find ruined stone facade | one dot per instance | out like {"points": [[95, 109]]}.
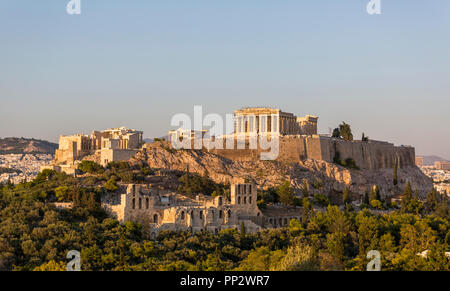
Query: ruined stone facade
{"points": [[114, 144], [161, 210], [263, 120]]}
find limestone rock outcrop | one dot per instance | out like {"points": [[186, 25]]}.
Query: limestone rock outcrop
{"points": [[322, 177]]}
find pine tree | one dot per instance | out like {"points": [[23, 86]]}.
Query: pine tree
{"points": [[286, 194], [407, 196], [307, 209], [366, 197], [442, 209], [432, 200], [364, 138], [408, 192]]}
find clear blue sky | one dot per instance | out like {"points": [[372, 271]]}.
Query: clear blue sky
{"points": [[136, 63]]}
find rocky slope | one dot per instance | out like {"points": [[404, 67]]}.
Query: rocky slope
{"points": [[322, 177], [14, 145]]}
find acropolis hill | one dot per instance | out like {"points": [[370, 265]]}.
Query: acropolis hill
{"points": [[303, 154], [299, 141]]}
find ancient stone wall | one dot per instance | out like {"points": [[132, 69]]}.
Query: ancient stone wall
{"points": [[172, 211], [111, 155], [371, 155]]}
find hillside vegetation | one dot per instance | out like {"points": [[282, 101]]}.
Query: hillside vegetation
{"points": [[36, 235]]}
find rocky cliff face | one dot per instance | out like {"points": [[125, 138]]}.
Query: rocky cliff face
{"points": [[322, 177]]}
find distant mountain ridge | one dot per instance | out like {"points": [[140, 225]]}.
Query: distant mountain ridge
{"points": [[430, 160], [16, 145]]}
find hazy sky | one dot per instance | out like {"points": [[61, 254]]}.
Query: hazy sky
{"points": [[136, 63]]}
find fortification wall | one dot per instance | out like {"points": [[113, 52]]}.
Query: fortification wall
{"points": [[371, 155], [113, 155]]}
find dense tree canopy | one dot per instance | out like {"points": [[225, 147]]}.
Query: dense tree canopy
{"points": [[35, 235]]}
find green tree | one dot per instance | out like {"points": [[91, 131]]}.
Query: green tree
{"points": [[346, 196], [62, 193], [286, 194], [407, 196], [346, 131], [335, 245], [432, 202], [111, 185], [368, 225], [364, 138], [90, 167], [395, 173], [261, 259], [376, 204], [215, 263], [242, 229], [336, 133], [442, 209], [300, 257], [320, 199], [366, 197], [51, 266], [307, 211]]}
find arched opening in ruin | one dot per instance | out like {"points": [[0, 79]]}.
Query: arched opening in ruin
{"points": [[182, 215], [220, 201], [239, 199], [155, 218], [140, 203], [229, 213], [133, 204], [220, 213], [146, 203], [245, 200], [250, 200]]}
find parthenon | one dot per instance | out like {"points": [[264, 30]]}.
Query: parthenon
{"points": [[264, 120]]}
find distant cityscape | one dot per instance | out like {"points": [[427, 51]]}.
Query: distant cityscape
{"points": [[22, 167], [439, 172]]}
